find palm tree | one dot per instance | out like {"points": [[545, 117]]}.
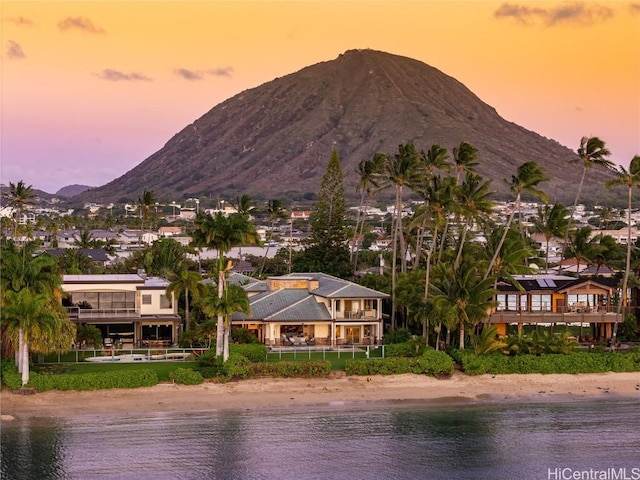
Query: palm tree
{"points": [[630, 178], [466, 292], [464, 159], [19, 197], [187, 282], [29, 284], [233, 300], [399, 171], [606, 251], [552, 221], [85, 240], [147, 200], [436, 158], [368, 173], [276, 211], [528, 176], [474, 205], [222, 233], [437, 194], [29, 319], [591, 152], [580, 247]]}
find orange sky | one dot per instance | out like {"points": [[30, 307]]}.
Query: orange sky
{"points": [[90, 89]]}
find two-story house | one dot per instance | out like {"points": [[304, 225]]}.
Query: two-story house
{"points": [[311, 309], [128, 308]]}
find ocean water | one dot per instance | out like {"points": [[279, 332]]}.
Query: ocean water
{"points": [[336, 441]]}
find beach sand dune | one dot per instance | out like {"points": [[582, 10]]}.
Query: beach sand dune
{"points": [[337, 389]]}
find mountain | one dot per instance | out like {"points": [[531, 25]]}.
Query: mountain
{"points": [[72, 190], [275, 140]]}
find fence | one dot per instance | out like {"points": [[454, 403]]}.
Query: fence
{"points": [[321, 352], [111, 354]]}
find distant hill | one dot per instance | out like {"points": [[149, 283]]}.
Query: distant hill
{"points": [[72, 190], [274, 141]]}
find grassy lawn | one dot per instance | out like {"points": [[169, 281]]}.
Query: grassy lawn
{"points": [[162, 369], [337, 359]]}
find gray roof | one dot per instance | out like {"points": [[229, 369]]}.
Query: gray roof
{"points": [[334, 287], [295, 304]]}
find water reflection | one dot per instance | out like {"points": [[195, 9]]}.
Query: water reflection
{"points": [[337, 442], [32, 449]]}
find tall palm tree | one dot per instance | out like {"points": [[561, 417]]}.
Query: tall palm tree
{"points": [[527, 178], [368, 171], [244, 206], [592, 152], [552, 221], [437, 193], [19, 197], [35, 275], [233, 300], [187, 282], [223, 233], [629, 178], [400, 170], [29, 318], [434, 159], [474, 204], [464, 159]]}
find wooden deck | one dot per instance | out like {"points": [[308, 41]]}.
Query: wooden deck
{"points": [[551, 317]]}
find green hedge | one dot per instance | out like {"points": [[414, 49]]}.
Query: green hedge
{"points": [[186, 376], [80, 381], [579, 362], [431, 362], [313, 368]]}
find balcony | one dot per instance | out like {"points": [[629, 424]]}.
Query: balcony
{"points": [[576, 313], [87, 314], [357, 315]]}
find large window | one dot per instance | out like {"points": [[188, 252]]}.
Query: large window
{"points": [[510, 302], [105, 300], [541, 302]]}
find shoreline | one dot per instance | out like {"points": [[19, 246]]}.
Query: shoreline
{"points": [[336, 390]]}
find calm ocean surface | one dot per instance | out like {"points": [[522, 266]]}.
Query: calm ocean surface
{"points": [[397, 441]]}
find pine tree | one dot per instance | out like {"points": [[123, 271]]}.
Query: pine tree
{"points": [[326, 250]]}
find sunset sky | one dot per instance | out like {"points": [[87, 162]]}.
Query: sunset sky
{"points": [[90, 89]]}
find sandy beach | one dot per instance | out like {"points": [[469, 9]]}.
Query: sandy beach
{"points": [[269, 393]]}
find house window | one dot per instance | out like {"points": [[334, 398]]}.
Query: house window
{"points": [[165, 302], [540, 303], [146, 299]]}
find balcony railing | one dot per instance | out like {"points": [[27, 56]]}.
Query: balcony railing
{"points": [[357, 315], [98, 313], [571, 314]]}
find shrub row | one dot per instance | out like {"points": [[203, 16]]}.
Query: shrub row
{"points": [[431, 362], [81, 381], [314, 368], [579, 362]]}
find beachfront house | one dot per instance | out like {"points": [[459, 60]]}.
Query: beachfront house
{"points": [[551, 299], [129, 309], [302, 309]]}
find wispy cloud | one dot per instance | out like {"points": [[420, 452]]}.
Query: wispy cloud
{"points": [[194, 75], [118, 76], [14, 50], [578, 13], [634, 7], [79, 23], [20, 21]]}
